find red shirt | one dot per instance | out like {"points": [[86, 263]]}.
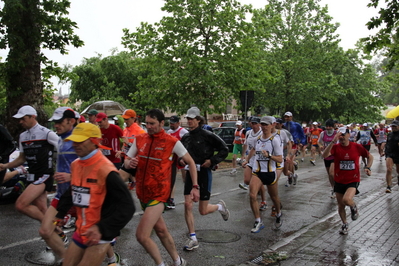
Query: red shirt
{"points": [[111, 137], [346, 162]]}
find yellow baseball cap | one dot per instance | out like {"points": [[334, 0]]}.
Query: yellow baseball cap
{"points": [[84, 131]]}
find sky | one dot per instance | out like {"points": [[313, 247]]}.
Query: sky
{"points": [[101, 22]]}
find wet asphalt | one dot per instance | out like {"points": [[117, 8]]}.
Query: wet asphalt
{"points": [[308, 236]]}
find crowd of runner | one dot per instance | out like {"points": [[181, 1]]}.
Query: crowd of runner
{"points": [[97, 162]]}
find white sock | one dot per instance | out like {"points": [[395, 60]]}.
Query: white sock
{"points": [[193, 236], [220, 207], [162, 264], [112, 259], [257, 220], [178, 261]]}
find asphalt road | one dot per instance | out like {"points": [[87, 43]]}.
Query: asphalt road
{"points": [[306, 204]]}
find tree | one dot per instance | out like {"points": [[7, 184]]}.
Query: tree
{"points": [[388, 35], [27, 26], [194, 55], [111, 78], [301, 50]]}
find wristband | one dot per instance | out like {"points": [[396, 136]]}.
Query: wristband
{"points": [[196, 186], [367, 168]]}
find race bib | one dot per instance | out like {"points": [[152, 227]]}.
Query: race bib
{"points": [[81, 196], [30, 177], [261, 156], [347, 165], [197, 165], [107, 152]]}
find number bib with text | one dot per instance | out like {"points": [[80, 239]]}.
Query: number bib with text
{"points": [[81, 196], [347, 165]]}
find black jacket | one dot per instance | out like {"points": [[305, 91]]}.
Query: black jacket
{"points": [[201, 145]]}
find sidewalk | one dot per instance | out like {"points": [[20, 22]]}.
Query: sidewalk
{"points": [[373, 239]]}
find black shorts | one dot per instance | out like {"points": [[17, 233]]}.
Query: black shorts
{"points": [[48, 182], [394, 159], [367, 147], [327, 163], [204, 182], [267, 178], [341, 188]]}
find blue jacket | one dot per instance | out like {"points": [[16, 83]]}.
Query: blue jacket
{"points": [[297, 132]]}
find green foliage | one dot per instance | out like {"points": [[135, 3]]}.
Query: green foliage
{"points": [[388, 35], [200, 54], [111, 78]]}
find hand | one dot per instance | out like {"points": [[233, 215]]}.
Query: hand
{"points": [[62, 177], [3, 166], [118, 154], [368, 172], [206, 164], [194, 194], [125, 140], [133, 162], [93, 235]]}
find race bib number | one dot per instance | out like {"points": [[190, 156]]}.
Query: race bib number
{"points": [[261, 156], [30, 177], [347, 165], [107, 152], [81, 196], [197, 165]]}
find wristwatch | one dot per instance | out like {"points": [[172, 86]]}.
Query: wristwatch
{"points": [[367, 168], [196, 186]]}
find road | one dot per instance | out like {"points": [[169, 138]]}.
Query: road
{"points": [[221, 242]]}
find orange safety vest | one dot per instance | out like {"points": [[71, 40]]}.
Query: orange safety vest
{"points": [[88, 185]]}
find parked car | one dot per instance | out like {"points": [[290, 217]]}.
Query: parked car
{"points": [[232, 124], [226, 134]]}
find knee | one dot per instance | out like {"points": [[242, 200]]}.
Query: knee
{"points": [[188, 205], [141, 238], [19, 206], [253, 196], [203, 212]]}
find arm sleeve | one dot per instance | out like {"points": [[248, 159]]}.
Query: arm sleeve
{"points": [[53, 138], [118, 207], [64, 204]]}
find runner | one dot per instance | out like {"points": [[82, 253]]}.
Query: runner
{"points": [[239, 138], [102, 201], [326, 137], [381, 132], [151, 155], [347, 173], [364, 137], [268, 151], [314, 137], [392, 154], [37, 145]]}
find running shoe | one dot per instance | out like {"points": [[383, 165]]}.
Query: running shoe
{"points": [[296, 164], [303, 159], [332, 194], [170, 204], [388, 190], [226, 213], [191, 244], [279, 221], [344, 229], [70, 222], [257, 227], [290, 178], [354, 213], [183, 262], [64, 239], [274, 211], [313, 162], [295, 178], [287, 183], [263, 206], [243, 186], [233, 172], [117, 260]]}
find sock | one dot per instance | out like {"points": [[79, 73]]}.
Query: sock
{"points": [[112, 259], [257, 220], [193, 236], [220, 207], [178, 261], [162, 264]]}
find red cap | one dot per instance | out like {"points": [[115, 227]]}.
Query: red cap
{"points": [[100, 117], [82, 119]]}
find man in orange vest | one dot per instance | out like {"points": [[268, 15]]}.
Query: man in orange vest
{"points": [[102, 201]]}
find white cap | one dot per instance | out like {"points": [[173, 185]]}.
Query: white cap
{"points": [[365, 125], [61, 113], [193, 112], [77, 115], [342, 130], [25, 110], [238, 123], [267, 120], [288, 114], [315, 123]]}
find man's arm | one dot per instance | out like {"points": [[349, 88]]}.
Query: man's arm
{"points": [[221, 148]]}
